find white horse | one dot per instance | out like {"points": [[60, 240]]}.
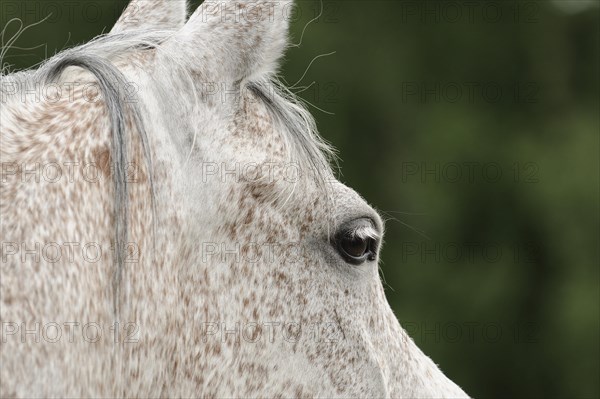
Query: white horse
{"points": [[170, 227]]}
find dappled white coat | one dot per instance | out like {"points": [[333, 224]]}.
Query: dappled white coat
{"points": [[233, 284]]}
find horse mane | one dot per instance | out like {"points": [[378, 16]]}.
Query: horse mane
{"points": [[299, 128], [97, 58]]}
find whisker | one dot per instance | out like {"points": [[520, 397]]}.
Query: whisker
{"points": [[8, 45], [419, 232], [306, 26], [310, 65]]}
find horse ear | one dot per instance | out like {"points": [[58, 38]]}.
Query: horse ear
{"points": [[152, 14], [232, 40]]}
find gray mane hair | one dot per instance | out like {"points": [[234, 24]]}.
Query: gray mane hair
{"points": [[98, 57], [308, 148], [95, 58]]}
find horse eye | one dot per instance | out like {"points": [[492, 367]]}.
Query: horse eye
{"points": [[354, 247]]}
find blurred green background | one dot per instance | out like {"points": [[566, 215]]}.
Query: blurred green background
{"points": [[474, 127]]}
